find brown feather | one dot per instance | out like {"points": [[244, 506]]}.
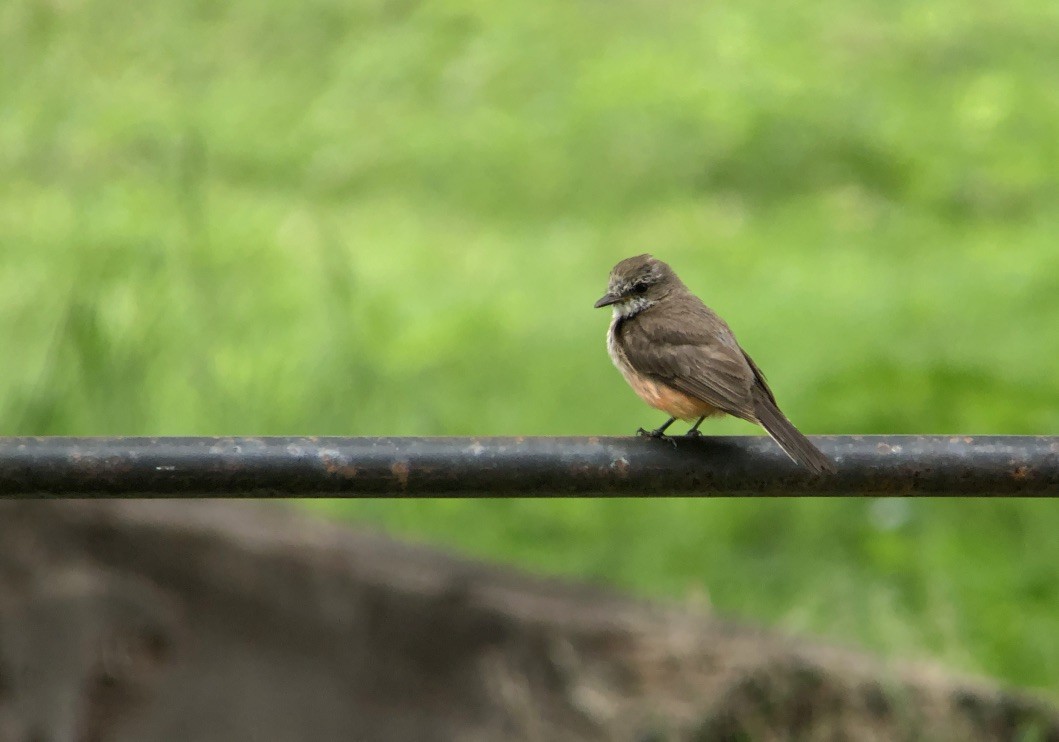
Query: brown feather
{"points": [[683, 344], [789, 438]]}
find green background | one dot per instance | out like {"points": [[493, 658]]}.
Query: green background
{"points": [[392, 217]]}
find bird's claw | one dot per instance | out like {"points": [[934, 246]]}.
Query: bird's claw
{"points": [[693, 434], [656, 434]]}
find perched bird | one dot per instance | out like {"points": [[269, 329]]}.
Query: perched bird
{"points": [[682, 359]]}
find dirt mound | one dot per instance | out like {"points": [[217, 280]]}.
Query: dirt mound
{"points": [[201, 621]]}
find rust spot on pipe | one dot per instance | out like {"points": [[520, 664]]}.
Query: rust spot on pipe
{"points": [[337, 465], [401, 470]]}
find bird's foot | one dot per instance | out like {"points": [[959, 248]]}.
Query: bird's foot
{"points": [[657, 434], [693, 434]]}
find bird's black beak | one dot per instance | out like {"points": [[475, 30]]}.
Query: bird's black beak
{"points": [[606, 300]]}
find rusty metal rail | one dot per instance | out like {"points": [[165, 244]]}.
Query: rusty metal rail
{"points": [[521, 467]]}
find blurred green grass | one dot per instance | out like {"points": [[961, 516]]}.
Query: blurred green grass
{"points": [[391, 218]]}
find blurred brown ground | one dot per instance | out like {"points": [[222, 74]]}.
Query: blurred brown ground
{"points": [[202, 621]]}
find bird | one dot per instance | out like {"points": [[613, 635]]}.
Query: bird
{"points": [[681, 358]]}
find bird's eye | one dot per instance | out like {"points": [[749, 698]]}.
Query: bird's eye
{"points": [[639, 288]]}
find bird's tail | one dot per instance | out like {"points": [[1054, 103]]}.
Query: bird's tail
{"points": [[793, 443]]}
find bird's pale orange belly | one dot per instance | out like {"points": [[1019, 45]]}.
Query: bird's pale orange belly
{"points": [[669, 400]]}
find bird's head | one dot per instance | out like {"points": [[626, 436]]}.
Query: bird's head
{"points": [[637, 283]]}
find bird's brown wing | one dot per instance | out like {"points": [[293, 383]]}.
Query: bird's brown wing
{"points": [[760, 378], [689, 348]]}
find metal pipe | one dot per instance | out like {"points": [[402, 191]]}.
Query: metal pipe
{"points": [[521, 467]]}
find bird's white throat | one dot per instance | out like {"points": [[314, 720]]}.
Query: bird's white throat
{"points": [[631, 306]]}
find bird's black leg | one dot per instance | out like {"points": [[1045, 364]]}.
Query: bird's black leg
{"points": [[657, 432], [694, 432]]}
